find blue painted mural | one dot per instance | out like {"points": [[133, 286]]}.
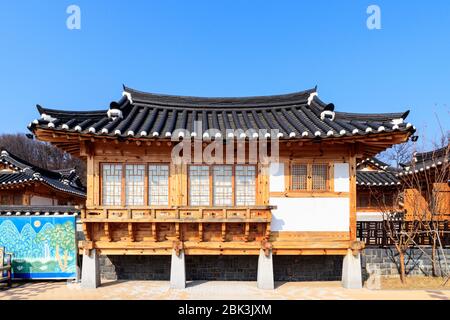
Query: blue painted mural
{"points": [[43, 247]]}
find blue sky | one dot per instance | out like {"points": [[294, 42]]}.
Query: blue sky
{"points": [[226, 48]]}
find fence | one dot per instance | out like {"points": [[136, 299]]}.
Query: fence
{"points": [[376, 234]]}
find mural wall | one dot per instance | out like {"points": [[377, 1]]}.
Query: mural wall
{"points": [[43, 247]]}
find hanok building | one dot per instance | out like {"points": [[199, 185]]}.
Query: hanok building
{"points": [[141, 202], [377, 189], [23, 184]]}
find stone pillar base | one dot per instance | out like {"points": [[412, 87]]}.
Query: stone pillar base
{"points": [[178, 271], [265, 271], [351, 271], [90, 272]]}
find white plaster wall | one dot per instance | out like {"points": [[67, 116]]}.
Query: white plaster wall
{"points": [[341, 177], [41, 201], [310, 214], [277, 177], [369, 216]]}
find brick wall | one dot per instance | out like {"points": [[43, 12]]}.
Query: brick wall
{"points": [[375, 261], [238, 268]]}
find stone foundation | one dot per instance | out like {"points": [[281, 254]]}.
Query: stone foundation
{"points": [[224, 268]]}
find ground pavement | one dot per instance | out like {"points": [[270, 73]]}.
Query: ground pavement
{"points": [[204, 290]]}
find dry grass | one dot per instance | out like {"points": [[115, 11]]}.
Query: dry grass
{"points": [[415, 283]]}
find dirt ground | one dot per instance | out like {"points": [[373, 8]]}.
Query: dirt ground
{"points": [[429, 283], [205, 290]]}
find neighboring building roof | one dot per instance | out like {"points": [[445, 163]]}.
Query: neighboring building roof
{"points": [[427, 160], [66, 181], [376, 163], [39, 210], [376, 179], [300, 115], [382, 176]]}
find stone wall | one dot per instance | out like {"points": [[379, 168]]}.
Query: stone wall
{"points": [[385, 262]]}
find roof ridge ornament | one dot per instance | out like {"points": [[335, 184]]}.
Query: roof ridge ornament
{"points": [[328, 112], [114, 112], [311, 97], [128, 95], [48, 118]]}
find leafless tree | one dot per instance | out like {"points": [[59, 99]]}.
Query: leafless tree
{"points": [[41, 154], [398, 154], [421, 207]]}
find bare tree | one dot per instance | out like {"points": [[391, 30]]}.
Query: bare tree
{"points": [[41, 154], [398, 154], [422, 205]]}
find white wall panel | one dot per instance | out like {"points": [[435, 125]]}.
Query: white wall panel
{"points": [[277, 177], [40, 201], [369, 216], [311, 214], [341, 177]]}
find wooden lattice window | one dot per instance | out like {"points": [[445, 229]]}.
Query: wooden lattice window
{"points": [[222, 185], [299, 177], [112, 184], [309, 177], [158, 185], [245, 185], [134, 184], [362, 200], [199, 186], [319, 177]]}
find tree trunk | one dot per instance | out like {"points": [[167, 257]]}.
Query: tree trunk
{"points": [[433, 257], [62, 264], [401, 257]]}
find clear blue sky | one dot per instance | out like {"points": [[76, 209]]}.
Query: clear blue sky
{"points": [[226, 48]]}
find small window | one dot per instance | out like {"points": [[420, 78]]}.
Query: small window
{"points": [[223, 185], [309, 177], [5, 200], [199, 185], [245, 185], [299, 177], [134, 184], [112, 184], [362, 200], [158, 185], [319, 177], [17, 200]]}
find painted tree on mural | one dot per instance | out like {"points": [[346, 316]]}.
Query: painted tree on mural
{"points": [[62, 239]]}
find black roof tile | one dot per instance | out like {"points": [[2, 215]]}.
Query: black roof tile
{"points": [[296, 115], [65, 180]]}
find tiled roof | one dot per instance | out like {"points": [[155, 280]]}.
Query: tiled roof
{"points": [[427, 160], [65, 180], [300, 115], [39, 210], [376, 178]]}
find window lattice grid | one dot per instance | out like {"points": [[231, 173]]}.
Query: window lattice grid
{"points": [[363, 200], [299, 177], [199, 185], [319, 176], [134, 185], [223, 185], [112, 184], [245, 185], [158, 185]]}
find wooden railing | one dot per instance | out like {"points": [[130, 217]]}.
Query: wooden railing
{"points": [[376, 233], [178, 214]]}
